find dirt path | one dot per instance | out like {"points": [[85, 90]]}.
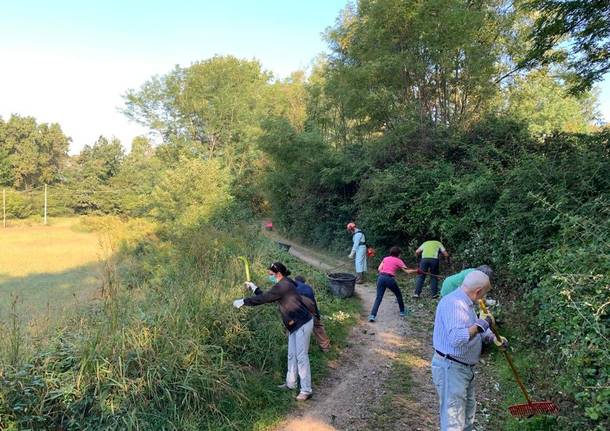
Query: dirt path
{"points": [[358, 391]]}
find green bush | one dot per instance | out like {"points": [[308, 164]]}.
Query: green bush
{"points": [[170, 351], [536, 210], [18, 205]]}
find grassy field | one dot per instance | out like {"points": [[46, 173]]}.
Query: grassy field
{"points": [[47, 267]]}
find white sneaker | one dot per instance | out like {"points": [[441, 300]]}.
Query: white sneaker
{"points": [[303, 396]]}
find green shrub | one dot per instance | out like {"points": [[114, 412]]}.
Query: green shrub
{"points": [[18, 205], [536, 210], [169, 351]]}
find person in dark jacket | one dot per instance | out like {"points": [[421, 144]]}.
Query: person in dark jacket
{"points": [[297, 319], [319, 332]]}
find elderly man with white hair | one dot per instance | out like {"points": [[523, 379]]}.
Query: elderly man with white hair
{"points": [[458, 338]]}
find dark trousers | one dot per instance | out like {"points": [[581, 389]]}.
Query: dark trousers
{"points": [[386, 282], [427, 265]]}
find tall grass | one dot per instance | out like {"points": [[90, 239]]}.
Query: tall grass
{"points": [[169, 352]]}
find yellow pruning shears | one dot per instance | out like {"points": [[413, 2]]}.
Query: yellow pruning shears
{"points": [[247, 265]]}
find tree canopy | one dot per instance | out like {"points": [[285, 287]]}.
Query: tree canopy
{"points": [[577, 31], [31, 154]]}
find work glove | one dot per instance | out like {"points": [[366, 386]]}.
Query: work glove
{"points": [[502, 343], [251, 286], [351, 255], [486, 316], [483, 324], [238, 303]]}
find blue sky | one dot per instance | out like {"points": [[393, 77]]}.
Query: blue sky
{"points": [[70, 61]]}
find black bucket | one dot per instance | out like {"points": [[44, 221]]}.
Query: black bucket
{"points": [[342, 284], [283, 246]]}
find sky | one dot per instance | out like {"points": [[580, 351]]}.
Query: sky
{"points": [[70, 62]]}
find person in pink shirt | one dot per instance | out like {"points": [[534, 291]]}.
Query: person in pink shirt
{"points": [[386, 280]]}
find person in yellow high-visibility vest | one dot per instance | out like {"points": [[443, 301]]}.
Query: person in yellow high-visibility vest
{"points": [[429, 263]]}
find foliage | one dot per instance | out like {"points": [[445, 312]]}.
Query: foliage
{"points": [[31, 154], [214, 103], [192, 191], [582, 27], [171, 353], [213, 109], [305, 178], [425, 63], [532, 209], [540, 100], [18, 205], [140, 171]]}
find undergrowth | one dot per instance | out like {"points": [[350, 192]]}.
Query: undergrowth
{"points": [[168, 352]]}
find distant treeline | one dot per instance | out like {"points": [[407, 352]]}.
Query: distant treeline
{"points": [[449, 118]]}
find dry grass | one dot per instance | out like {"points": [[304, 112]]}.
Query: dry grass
{"points": [[47, 267]]}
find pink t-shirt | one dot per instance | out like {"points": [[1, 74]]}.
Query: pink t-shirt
{"points": [[391, 264]]}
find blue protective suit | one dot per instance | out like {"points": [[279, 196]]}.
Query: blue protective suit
{"points": [[359, 250]]}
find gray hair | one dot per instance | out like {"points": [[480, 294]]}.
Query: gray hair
{"points": [[486, 269], [476, 280]]}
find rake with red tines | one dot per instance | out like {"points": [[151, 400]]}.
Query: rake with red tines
{"points": [[531, 408]]}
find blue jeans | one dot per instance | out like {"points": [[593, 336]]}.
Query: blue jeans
{"points": [[386, 282], [427, 265], [455, 388]]}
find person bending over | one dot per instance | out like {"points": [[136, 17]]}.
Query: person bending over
{"points": [[386, 280], [296, 318]]}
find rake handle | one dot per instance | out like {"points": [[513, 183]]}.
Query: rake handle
{"points": [[433, 275], [494, 329]]}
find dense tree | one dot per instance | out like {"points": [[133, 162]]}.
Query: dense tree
{"points": [[140, 171], [287, 98], [31, 154], [216, 103], [576, 29], [103, 159], [88, 175], [396, 62], [192, 191], [213, 110], [541, 101]]}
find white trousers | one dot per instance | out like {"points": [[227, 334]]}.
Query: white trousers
{"points": [[298, 358], [360, 261]]}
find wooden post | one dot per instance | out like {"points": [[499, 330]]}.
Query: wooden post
{"points": [[45, 204], [4, 207]]}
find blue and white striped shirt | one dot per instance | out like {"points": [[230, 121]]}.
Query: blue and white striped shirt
{"points": [[454, 315]]}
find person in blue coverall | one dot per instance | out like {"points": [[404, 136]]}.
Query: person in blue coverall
{"points": [[358, 252]]}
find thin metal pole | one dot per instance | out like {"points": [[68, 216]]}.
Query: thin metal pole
{"points": [[45, 204]]}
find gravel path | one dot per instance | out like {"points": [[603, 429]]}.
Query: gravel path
{"points": [[350, 397]]}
